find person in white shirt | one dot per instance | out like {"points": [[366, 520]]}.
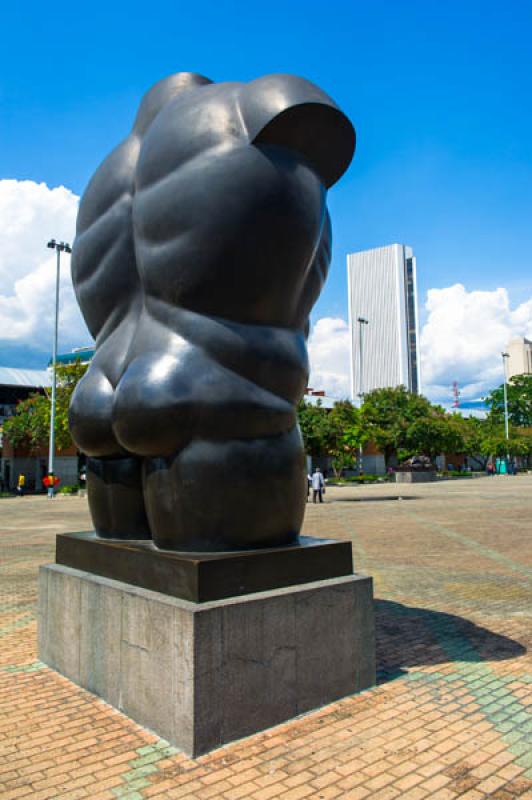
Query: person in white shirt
{"points": [[318, 485]]}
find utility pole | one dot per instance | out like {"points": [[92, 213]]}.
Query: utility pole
{"points": [[361, 322], [59, 247], [505, 357]]}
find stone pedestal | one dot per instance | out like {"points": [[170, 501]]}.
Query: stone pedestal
{"points": [[415, 476], [203, 674]]}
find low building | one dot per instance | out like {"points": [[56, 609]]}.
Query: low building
{"points": [[83, 354], [17, 385]]}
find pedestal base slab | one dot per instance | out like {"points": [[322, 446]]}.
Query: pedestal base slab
{"points": [[202, 577], [421, 476]]}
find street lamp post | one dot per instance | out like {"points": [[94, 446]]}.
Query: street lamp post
{"points": [[505, 357], [59, 247], [361, 322]]}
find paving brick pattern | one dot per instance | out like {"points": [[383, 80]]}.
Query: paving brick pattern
{"points": [[452, 564]]}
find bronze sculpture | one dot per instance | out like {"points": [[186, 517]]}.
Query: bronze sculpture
{"points": [[203, 241]]}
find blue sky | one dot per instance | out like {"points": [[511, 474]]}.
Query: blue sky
{"points": [[440, 94]]}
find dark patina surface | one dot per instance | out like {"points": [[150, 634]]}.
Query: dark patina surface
{"points": [[201, 577], [203, 241]]}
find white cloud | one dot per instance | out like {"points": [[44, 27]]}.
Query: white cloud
{"points": [[31, 215], [328, 348], [462, 339]]}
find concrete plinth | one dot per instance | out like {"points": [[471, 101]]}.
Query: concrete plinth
{"points": [[419, 476], [203, 674]]}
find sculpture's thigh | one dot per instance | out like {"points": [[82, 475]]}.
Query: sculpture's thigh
{"points": [[228, 495], [116, 501]]}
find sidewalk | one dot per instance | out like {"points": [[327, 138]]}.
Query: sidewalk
{"points": [[452, 564]]}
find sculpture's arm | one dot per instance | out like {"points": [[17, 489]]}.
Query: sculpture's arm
{"points": [[316, 275], [103, 260]]}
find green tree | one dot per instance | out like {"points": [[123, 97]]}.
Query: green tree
{"points": [[495, 443], [30, 425], [430, 435], [402, 423], [345, 435], [315, 428], [483, 439], [525, 436], [519, 401], [334, 433], [471, 432]]}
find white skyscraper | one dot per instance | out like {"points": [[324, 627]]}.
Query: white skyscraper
{"points": [[382, 291]]}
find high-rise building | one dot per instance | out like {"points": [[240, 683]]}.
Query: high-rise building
{"points": [[520, 357], [383, 319]]}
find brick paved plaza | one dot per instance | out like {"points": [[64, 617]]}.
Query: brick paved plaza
{"points": [[452, 565]]}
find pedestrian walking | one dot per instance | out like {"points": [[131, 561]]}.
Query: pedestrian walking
{"points": [[82, 482], [318, 485], [21, 483], [50, 482]]}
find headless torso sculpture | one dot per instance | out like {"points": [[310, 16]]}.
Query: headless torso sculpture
{"points": [[203, 241]]}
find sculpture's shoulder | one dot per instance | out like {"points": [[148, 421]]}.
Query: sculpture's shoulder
{"points": [[191, 125], [116, 176], [104, 269]]}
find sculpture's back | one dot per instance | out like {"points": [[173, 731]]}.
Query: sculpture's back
{"points": [[203, 242]]}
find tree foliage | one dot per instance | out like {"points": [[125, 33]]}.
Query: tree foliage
{"points": [[519, 390], [336, 433], [29, 427], [402, 424], [495, 443], [314, 424], [346, 435]]}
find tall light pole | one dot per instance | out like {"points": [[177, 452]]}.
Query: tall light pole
{"points": [[361, 322], [505, 357], [59, 247]]}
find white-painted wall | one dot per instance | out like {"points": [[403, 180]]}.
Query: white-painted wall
{"points": [[65, 467]]}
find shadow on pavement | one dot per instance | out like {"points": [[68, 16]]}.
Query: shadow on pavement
{"points": [[373, 499], [413, 637]]}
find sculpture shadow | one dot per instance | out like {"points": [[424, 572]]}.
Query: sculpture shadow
{"points": [[413, 637], [395, 497]]}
